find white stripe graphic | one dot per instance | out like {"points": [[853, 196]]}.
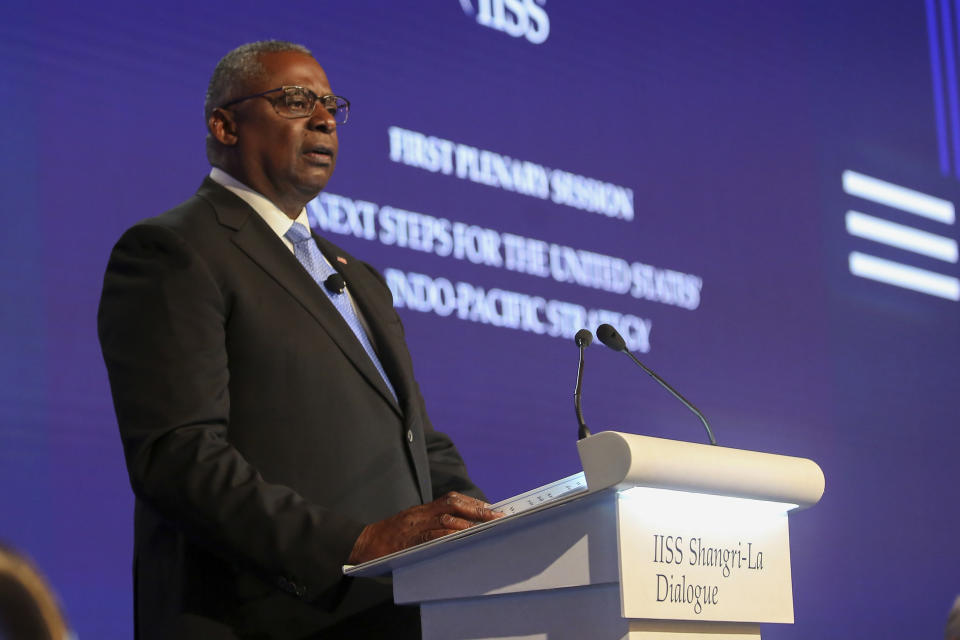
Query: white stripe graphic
{"points": [[902, 237], [902, 275], [891, 195]]}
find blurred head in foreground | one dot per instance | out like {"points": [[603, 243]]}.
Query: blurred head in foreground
{"points": [[28, 608]]}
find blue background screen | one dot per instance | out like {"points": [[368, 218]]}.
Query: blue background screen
{"points": [[760, 195]]}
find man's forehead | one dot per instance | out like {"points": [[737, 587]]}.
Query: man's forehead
{"points": [[291, 67]]}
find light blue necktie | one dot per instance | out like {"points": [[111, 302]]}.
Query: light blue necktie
{"points": [[306, 251]]}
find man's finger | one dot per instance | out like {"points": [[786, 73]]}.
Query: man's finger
{"points": [[449, 521], [469, 508], [432, 534]]}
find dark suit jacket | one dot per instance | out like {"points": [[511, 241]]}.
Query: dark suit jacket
{"points": [[258, 435]]}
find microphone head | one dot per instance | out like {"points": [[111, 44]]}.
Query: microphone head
{"points": [[610, 337], [583, 338], [335, 283]]}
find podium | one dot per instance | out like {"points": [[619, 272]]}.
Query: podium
{"points": [[666, 539]]}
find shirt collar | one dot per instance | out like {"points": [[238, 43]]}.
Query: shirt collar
{"points": [[273, 216]]}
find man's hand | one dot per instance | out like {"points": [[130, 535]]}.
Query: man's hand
{"points": [[447, 514]]}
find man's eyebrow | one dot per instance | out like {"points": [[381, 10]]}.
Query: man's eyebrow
{"points": [[324, 92]]}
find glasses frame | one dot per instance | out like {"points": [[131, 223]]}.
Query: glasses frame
{"points": [[275, 102]]}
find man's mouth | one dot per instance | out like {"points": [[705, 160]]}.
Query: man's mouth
{"points": [[319, 155]]}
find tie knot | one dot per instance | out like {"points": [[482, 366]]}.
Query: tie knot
{"points": [[297, 233]]}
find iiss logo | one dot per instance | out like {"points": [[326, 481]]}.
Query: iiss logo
{"points": [[517, 18]]}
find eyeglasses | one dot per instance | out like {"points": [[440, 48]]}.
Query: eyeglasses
{"points": [[300, 102]]}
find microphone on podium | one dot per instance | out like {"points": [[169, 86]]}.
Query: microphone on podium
{"points": [[610, 337], [583, 338]]}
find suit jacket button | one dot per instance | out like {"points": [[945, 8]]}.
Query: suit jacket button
{"points": [[409, 435]]}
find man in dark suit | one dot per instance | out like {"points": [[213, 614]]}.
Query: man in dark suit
{"points": [[272, 427]]}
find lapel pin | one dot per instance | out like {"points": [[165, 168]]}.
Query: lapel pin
{"points": [[341, 260]]}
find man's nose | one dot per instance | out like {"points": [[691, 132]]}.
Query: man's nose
{"points": [[323, 120]]}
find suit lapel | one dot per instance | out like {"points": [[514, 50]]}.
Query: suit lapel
{"points": [[255, 238], [386, 333], [388, 344]]}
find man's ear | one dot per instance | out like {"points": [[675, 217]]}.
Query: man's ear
{"points": [[223, 127]]}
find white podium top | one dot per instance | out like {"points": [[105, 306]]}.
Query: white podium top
{"points": [[613, 459]]}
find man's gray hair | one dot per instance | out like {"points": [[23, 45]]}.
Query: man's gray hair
{"points": [[237, 70]]}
